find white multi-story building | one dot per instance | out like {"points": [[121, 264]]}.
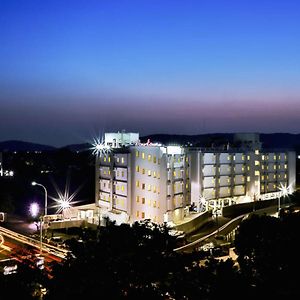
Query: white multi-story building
{"points": [[137, 181], [236, 175], [141, 181]]}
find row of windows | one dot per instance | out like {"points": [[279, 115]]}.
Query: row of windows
{"points": [[279, 176], [149, 157], [275, 167], [142, 200], [107, 172], [117, 159], [149, 187], [266, 157], [149, 172]]}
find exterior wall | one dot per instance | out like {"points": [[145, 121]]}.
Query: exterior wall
{"points": [[144, 182]]}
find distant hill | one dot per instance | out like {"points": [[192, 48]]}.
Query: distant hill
{"points": [[271, 140], [79, 147], [23, 146]]}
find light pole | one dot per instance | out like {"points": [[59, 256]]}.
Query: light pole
{"points": [[41, 217], [35, 183]]}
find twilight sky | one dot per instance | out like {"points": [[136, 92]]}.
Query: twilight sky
{"points": [[70, 69]]}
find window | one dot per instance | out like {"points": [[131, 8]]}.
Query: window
{"points": [[256, 152], [256, 173], [158, 161], [109, 159], [122, 160], [143, 171], [108, 172], [143, 186], [143, 200], [174, 173], [154, 174], [149, 172], [137, 199], [143, 155], [154, 159], [137, 183], [158, 175], [154, 189], [149, 202], [118, 159], [122, 188], [248, 178], [248, 157], [263, 157], [117, 187], [186, 159], [137, 153], [285, 166], [137, 214], [285, 176], [149, 157], [122, 173], [143, 215], [149, 187], [228, 157], [243, 157], [137, 168], [257, 163]]}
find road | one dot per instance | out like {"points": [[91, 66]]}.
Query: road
{"points": [[226, 226], [16, 241]]}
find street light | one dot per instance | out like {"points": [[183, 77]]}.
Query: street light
{"points": [[36, 183], [41, 217]]}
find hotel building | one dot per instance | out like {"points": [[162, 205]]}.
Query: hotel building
{"points": [[137, 181], [141, 181]]}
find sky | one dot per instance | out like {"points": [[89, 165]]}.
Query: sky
{"points": [[72, 69]]}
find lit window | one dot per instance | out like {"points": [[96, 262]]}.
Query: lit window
{"points": [[109, 159], [257, 163], [248, 157], [285, 176], [274, 157], [143, 155], [104, 159], [154, 159], [256, 173], [179, 159], [248, 178], [122, 188], [137, 154], [228, 157], [285, 166], [143, 171], [149, 172], [149, 202], [248, 168], [143, 215], [108, 172], [158, 161], [154, 189], [137, 183], [243, 157], [137, 168], [256, 152], [262, 177], [149, 187], [263, 157], [154, 174], [122, 160], [187, 159], [149, 157], [137, 199], [274, 176], [118, 159], [104, 172], [174, 173], [118, 173], [137, 213]]}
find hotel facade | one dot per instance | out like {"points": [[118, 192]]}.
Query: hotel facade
{"points": [[136, 181]]}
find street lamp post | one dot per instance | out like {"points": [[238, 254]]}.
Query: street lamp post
{"points": [[41, 217]]}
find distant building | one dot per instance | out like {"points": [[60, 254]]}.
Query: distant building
{"points": [[136, 181], [220, 178]]}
